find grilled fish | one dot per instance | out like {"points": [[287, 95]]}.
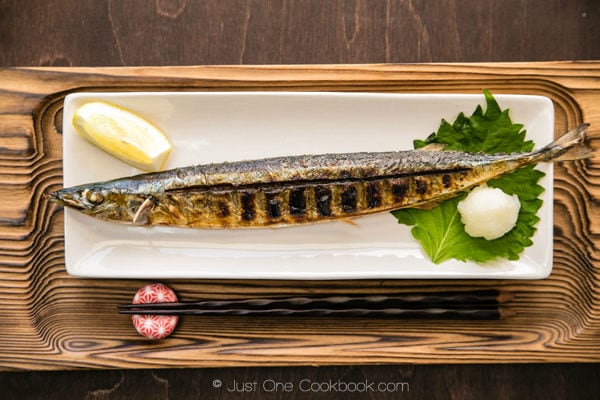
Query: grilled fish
{"points": [[302, 189]]}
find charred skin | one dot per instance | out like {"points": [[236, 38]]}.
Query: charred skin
{"points": [[295, 190], [266, 205]]}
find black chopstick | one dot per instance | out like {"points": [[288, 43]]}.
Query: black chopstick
{"points": [[478, 304], [455, 298], [483, 313]]}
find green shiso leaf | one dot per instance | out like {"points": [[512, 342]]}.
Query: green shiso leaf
{"points": [[439, 230]]}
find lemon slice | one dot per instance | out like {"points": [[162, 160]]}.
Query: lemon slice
{"points": [[123, 134]]}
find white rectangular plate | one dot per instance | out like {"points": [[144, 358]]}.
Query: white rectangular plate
{"points": [[212, 127]]}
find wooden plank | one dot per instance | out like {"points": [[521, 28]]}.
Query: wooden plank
{"points": [[58, 321]]}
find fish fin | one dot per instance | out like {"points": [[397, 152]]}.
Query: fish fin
{"points": [[568, 147], [433, 147], [142, 214], [430, 205], [349, 221], [576, 153]]}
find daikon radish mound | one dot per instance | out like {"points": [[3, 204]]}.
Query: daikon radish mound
{"points": [[489, 212]]}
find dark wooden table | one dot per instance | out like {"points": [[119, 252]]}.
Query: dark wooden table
{"points": [[180, 32]]}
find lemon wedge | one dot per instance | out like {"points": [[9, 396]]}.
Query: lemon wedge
{"points": [[123, 134]]}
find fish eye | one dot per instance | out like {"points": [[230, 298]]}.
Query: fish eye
{"points": [[93, 196]]}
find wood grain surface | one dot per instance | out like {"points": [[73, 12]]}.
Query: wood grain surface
{"points": [[216, 32], [92, 33], [66, 322]]}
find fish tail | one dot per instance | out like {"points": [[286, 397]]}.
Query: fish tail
{"points": [[568, 147]]}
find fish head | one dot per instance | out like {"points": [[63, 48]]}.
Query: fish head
{"points": [[97, 201]]}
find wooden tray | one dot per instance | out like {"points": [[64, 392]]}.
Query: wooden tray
{"points": [[55, 321]]}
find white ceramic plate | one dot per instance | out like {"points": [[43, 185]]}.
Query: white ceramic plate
{"points": [[213, 127]]}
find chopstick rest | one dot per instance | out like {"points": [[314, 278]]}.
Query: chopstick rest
{"points": [[156, 300], [154, 326]]}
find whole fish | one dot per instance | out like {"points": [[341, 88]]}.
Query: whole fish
{"points": [[302, 189]]}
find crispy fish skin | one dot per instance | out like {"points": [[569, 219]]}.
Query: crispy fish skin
{"points": [[293, 190]]}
